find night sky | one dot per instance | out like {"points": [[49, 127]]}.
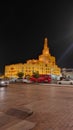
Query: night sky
{"points": [[23, 27]]}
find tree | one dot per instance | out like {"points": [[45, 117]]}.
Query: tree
{"points": [[20, 74], [36, 74]]}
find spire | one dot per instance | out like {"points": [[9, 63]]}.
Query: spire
{"points": [[46, 49], [45, 43]]}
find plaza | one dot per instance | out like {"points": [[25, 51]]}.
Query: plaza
{"points": [[36, 107]]}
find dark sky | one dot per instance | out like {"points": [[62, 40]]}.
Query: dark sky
{"points": [[23, 27]]}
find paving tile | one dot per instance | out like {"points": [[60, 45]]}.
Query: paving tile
{"points": [[52, 107], [6, 120], [22, 114], [23, 125]]}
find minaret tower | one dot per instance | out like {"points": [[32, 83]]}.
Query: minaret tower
{"points": [[45, 56], [45, 42], [46, 49]]}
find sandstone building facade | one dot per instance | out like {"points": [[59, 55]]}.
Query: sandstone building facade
{"points": [[45, 64]]}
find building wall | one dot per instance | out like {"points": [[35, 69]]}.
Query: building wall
{"points": [[45, 64], [28, 69]]}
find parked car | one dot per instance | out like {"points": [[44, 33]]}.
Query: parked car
{"points": [[33, 79], [41, 79], [12, 80], [26, 81], [65, 81], [4, 82], [23, 80], [19, 80]]}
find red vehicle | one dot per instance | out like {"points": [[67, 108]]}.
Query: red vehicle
{"points": [[41, 79]]}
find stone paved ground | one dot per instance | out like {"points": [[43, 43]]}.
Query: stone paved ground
{"points": [[36, 107]]}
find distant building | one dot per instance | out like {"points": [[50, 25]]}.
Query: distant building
{"points": [[45, 64], [67, 72]]}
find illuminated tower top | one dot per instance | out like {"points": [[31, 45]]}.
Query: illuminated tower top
{"points": [[45, 43], [46, 49]]}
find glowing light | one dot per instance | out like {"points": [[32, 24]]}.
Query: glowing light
{"points": [[65, 53]]}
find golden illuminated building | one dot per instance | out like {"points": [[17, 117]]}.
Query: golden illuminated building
{"points": [[45, 64]]}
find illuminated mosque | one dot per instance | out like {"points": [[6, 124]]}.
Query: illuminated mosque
{"points": [[45, 64]]}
